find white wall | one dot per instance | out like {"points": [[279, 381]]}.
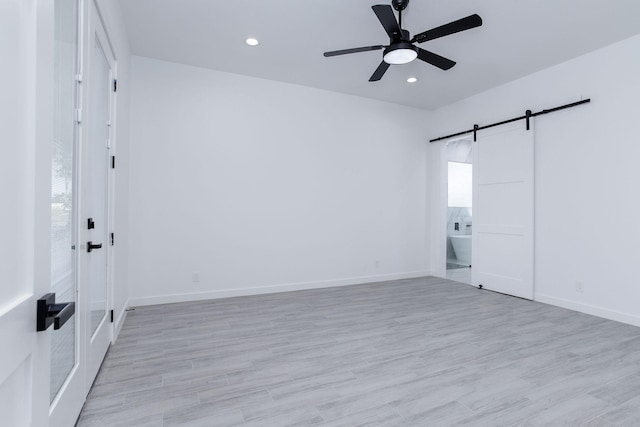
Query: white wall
{"points": [[262, 186], [112, 15], [586, 176]]}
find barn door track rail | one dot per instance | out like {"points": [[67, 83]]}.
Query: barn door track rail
{"points": [[527, 116]]}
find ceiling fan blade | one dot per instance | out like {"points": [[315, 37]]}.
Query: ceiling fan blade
{"points": [[354, 50], [387, 18], [377, 75], [463, 24], [435, 60]]}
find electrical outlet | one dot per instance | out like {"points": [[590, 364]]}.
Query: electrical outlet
{"points": [[195, 276], [579, 286]]}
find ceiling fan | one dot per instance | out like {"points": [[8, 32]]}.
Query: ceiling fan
{"points": [[401, 49]]}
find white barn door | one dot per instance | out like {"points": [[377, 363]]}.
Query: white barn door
{"points": [[503, 209]]}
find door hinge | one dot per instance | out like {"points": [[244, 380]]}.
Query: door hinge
{"points": [[79, 115], [113, 239], [113, 162], [111, 310], [115, 85]]}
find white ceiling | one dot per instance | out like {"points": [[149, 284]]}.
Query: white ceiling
{"points": [[516, 39]]}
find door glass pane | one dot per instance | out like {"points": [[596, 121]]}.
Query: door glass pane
{"points": [[98, 161], [63, 265]]}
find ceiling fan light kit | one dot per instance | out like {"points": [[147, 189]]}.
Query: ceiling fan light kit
{"points": [[401, 48], [400, 53]]}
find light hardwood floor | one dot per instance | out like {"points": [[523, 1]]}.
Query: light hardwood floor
{"points": [[417, 352]]}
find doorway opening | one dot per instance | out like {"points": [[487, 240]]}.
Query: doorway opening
{"points": [[459, 225]]}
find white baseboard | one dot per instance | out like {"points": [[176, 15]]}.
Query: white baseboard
{"points": [[228, 293], [119, 322], [589, 309]]}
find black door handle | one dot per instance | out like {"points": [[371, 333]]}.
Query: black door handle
{"points": [[91, 246], [49, 312]]}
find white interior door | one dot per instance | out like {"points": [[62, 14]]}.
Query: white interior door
{"points": [[66, 380], [95, 277], [23, 394], [503, 210], [40, 378]]}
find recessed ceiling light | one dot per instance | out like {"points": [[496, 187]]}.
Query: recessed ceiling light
{"points": [[252, 42], [412, 80]]}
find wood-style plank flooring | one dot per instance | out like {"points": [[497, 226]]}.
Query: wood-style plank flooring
{"points": [[416, 352]]}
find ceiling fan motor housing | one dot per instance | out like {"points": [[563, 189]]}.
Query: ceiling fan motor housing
{"points": [[400, 4]]}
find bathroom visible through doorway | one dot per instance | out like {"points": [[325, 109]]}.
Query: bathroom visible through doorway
{"points": [[459, 210]]}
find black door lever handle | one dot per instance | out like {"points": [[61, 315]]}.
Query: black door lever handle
{"points": [[51, 313], [91, 246]]}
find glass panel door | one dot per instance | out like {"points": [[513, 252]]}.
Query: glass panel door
{"points": [[66, 392], [63, 188]]}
